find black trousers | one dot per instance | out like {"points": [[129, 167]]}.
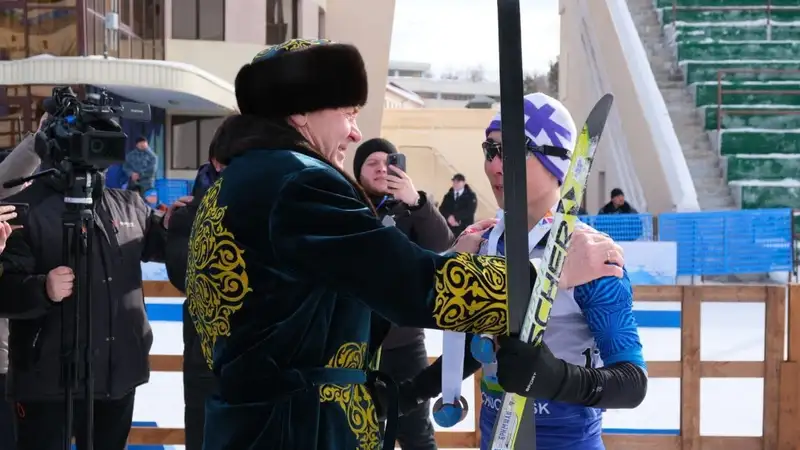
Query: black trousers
{"points": [[415, 430], [197, 386], [7, 434], [40, 425]]}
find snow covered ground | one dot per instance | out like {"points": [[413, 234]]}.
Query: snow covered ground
{"points": [[730, 407]]}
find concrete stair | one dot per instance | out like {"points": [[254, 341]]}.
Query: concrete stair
{"points": [[705, 164]]}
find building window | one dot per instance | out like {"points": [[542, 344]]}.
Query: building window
{"points": [[282, 23], [20, 111], [198, 19], [32, 31], [12, 122], [191, 137], [458, 97], [406, 73], [140, 35], [429, 95]]}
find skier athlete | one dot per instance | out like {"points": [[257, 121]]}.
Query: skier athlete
{"points": [[591, 358], [287, 262]]}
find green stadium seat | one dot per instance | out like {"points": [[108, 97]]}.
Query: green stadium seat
{"points": [[727, 51], [759, 142], [717, 3], [690, 32], [769, 71], [729, 15], [767, 168], [748, 115], [760, 105], [749, 93], [767, 194]]}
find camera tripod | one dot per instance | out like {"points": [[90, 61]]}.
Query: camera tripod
{"points": [[83, 184], [77, 240]]}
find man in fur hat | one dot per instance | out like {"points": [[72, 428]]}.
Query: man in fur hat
{"points": [[289, 268], [288, 263]]}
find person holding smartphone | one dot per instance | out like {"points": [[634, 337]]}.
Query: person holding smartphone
{"points": [[22, 161], [380, 170]]}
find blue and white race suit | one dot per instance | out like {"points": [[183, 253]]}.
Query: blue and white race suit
{"points": [[590, 325]]}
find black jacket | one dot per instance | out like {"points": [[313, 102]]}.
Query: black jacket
{"points": [[177, 252], [462, 209], [126, 232], [610, 208], [425, 227], [621, 224]]}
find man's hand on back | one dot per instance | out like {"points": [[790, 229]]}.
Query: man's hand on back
{"points": [[179, 203]]}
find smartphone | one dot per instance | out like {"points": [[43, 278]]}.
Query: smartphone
{"points": [[398, 160], [22, 213]]}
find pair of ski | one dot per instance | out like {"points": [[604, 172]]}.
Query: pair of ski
{"points": [[514, 425]]}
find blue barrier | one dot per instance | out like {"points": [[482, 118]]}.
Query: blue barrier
{"points": [[623, 227], [170, 190], [730, 242]]}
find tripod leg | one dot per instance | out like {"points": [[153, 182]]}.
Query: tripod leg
{"points": [[88, 239], [67, 371]]}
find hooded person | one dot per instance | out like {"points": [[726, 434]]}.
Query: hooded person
{"points": [[591, 358], [288, 262]]}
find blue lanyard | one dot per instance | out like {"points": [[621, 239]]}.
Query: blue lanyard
{"points": [[385, 197]]}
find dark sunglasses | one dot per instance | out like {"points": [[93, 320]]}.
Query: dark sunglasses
{"points": [[492, 150]]}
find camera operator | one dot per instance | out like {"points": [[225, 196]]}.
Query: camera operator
{"points": [[403, 353], [198, 380], [34, 283]]}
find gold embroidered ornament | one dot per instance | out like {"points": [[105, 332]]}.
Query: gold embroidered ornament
{"points": [[471, 295], [216, 276], [354, 399]]}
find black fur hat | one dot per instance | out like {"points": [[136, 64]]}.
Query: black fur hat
{"points": [[301, 76]]}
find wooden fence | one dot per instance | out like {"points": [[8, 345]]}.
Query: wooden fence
{"points": [[781, 412]]}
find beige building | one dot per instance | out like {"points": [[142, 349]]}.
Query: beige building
{"points": [[180, 56], [184, 63], [437, 92], [439, 143]]}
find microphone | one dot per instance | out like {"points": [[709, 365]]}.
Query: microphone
{"points": [[14, 182]]}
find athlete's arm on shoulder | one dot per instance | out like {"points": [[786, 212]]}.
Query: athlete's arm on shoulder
{"points": [[607, 305]]}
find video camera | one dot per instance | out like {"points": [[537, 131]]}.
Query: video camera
{"points": [[88, 134]]}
